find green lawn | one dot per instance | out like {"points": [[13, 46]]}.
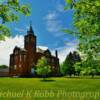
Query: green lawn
{"points": [[52, 89]]}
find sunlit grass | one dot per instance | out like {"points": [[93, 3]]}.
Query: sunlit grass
{"points": [[60, 88]]}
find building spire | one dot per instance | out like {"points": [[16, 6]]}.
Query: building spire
{"points": [[30, 28]]}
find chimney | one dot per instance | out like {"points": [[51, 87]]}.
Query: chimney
{"points": [[56, 53]]}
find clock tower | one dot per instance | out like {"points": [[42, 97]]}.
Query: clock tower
{"points": [[30, 41], [30, 47]]}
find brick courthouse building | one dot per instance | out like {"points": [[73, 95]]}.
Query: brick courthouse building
{"points": [[23, 61]]}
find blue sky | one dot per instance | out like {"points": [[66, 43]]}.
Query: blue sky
{"points": [[48, 19]]}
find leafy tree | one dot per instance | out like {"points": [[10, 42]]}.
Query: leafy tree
{"points": [[78, 68], [86, 23], [42, 67], [9, 11], [92, 72], [89, 71]]}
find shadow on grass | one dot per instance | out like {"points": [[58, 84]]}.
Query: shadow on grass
{"points": [[47, 80]]}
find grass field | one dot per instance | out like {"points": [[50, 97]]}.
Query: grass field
{"points": [[52, 89]]}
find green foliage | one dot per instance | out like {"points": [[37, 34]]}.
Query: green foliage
{"points": [[72, 64], [25, 10], [63, 68], [89, 71], [3, 66], [42, 67], [69, 1], [87, 26], [78, 68], [69, 63], [9, 11], [4, 31], [90, 67]]}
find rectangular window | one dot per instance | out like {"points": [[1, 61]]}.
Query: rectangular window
{"points": [[20, 58], [16, 58], [15, 67], [24, 57]]}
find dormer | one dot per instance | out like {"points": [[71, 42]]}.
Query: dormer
{"points": [[47, 52]]}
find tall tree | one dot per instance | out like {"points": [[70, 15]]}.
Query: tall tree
{"points": [[68, 65], [9, 10], [87, 26]]}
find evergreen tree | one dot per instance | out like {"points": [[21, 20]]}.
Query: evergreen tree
{"points": [[68, 65]]}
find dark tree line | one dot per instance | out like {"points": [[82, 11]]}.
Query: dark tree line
{"points": [[74, 65], [3, 66]]}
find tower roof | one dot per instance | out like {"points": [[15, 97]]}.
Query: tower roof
{"points": [[30, 31]]}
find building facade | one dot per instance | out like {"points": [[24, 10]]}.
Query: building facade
{"points": [[23, 61]]}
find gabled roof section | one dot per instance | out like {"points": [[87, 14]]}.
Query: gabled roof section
{"points": [[40, 50], [47, 52], [18, 50]]}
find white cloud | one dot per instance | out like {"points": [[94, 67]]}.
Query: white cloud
{"points": [[42, 47], [7, 46], [64, 51], [52, 22], [51, 16], [53, 26]]}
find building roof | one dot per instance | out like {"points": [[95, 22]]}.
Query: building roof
{"points": [[22, 49], [30, 31], [39, 50]]}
